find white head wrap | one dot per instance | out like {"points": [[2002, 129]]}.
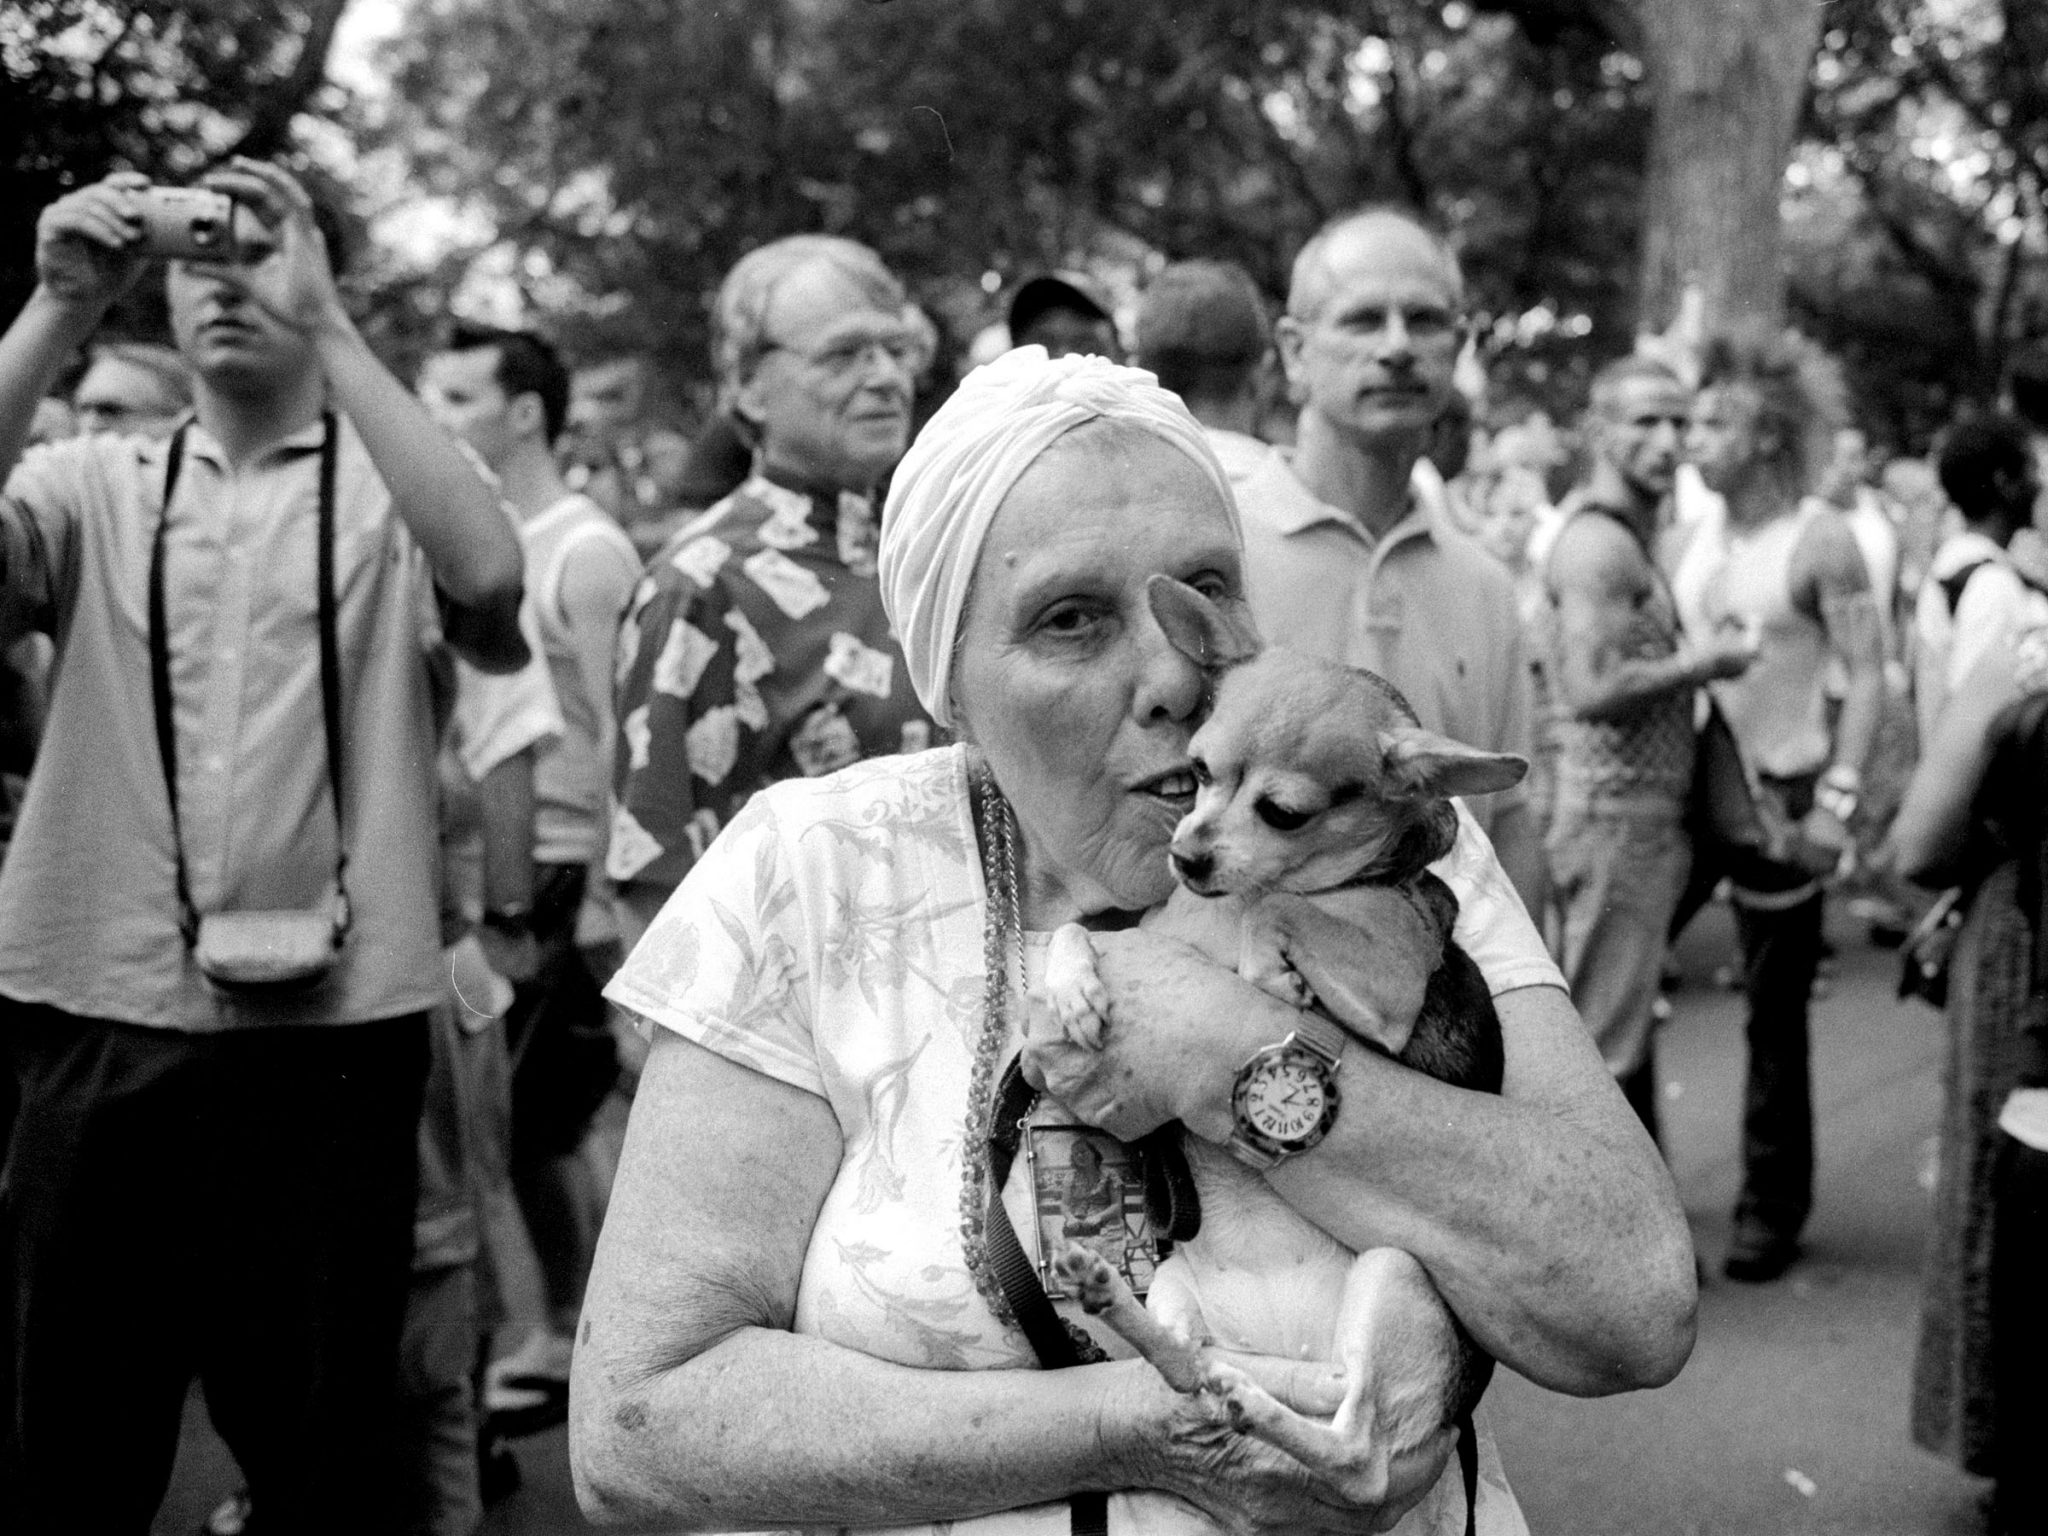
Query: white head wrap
{"points": [[946, 491]]}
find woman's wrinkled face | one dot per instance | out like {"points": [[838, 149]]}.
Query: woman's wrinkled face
{"points": [[1064, 679]]}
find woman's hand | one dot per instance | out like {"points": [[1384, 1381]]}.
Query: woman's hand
{"points": [[1189, 1447], [1178, 1028]]}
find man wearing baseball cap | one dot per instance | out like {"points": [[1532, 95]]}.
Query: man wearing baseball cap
{"points": [[1065, 313]]}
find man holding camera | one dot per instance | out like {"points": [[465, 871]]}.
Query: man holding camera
{"points": [[217, 919]]}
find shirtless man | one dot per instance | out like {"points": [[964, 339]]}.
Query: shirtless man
{"points": [[1783, 574], [1622, 681]]}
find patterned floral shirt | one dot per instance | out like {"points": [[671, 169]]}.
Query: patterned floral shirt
{"points": [[832, 940], [754, 649]]}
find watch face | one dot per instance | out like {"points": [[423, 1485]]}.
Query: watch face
{"points": [[1287, 1098]]}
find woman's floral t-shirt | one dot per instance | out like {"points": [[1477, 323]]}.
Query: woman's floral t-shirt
{"points": [[831, 938]]}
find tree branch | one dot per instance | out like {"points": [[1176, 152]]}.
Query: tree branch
{"points": [[1953, 285], [270, 119], [1544, 21], [1932, 68], [1400, 140]]}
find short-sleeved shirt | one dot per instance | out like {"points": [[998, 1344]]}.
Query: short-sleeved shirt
{"points": [[832, 940], [88, 904], [755, 649], [1972, 601], [1422, 605]]}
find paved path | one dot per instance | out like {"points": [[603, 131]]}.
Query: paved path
{"points": [[1791, 1416]]}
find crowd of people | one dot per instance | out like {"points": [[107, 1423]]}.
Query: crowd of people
{"points": [[405, 776]]}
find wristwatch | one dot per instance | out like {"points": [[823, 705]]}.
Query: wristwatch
{"points": [[514, 919], [1286, 1097]]}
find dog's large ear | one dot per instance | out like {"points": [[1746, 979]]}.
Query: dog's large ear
{"points": [[1419, 764], [1205, 632]]}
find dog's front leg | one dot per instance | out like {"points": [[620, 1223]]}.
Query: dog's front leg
{"points": [[1174, 1347], [1368, 965], [1078, 998]]}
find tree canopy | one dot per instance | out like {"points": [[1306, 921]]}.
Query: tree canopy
{"points": [[604, 161], [93, 86]]}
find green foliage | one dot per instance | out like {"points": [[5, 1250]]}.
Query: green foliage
{"points": [[627, 151], [611, 158], [1917, 222], [92, 86]]}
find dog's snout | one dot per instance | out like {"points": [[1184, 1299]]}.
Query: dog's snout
{"points": [[1193, 868]]}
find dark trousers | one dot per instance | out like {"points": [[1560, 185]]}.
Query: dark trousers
{"points": [[565, 1062], [232, 1207], [1780, 957], [2019, 1327]]}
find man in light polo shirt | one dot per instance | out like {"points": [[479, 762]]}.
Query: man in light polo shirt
{"points": [[1349, 550], [202, 1181]]}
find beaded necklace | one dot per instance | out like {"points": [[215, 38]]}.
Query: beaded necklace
{"points": [[1002, 945]]}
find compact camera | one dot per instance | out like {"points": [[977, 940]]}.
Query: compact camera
{"points": [[189, 224]]}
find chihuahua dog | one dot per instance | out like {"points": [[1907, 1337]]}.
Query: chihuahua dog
{"points": [[1303, 865]]}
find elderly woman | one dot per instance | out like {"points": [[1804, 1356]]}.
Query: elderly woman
{"points": [[794, 1319], [756, 647]]}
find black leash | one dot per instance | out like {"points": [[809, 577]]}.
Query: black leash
{"points": [[1176, 1214]]}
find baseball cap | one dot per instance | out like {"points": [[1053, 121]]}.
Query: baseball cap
{"points": [[1202, 312], [1056, 290]]}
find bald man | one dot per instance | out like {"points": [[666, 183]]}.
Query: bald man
{"points": [[1350, 553]]}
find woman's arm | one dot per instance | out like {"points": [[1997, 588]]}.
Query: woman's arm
{"points": [[692, 1403], [1545, 1216], [1932, 827]]}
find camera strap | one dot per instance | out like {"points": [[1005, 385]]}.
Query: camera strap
{"points": [[330, 675]]}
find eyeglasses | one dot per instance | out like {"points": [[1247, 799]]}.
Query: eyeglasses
{"points": [[855, 354]]}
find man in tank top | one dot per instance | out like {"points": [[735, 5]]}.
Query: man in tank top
{"points": [[1782, 573], [1622, 683], [506, 394]]}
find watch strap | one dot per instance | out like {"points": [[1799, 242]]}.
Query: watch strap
{"points": [[513, 918], [1318, 1034]]}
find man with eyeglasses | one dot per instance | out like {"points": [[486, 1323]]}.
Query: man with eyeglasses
{"points": [[130, 388], [1350, 553], [755, 648]]}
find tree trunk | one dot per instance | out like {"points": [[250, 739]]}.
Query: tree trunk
{"points": [[1726, 79]]}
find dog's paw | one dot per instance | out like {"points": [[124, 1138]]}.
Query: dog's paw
{"points": [[1274, 974], [1072, 988], [1087, 1276]]}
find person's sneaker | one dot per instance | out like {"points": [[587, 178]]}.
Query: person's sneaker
{"points": [[230, 1516], [497, 1472], [542, 1361], [527, 1391], [1758, 1255]]}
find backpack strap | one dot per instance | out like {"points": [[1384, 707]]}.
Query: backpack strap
{"points": [[1952, 585]]}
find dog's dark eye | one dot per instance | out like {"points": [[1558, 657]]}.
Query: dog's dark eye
{"points": [[1279, 818]]}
